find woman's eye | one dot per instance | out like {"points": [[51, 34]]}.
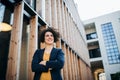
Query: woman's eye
{"points": [[51, 35], [46, 35]]}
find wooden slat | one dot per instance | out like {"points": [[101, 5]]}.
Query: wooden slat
{"points": [[42, 45], [54, 14], [63, 20], [15, 44], [32, 43], [72, 65], [48, 17], [59, 17], [40, 8], [65, 69]]}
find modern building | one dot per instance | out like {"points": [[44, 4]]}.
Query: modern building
{"points": [[20, 24], [103, 40]]}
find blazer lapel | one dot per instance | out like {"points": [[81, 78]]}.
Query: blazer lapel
{"points": [[53, 53]]}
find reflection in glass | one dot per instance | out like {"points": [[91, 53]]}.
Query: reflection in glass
{"points": [[110, 43]]}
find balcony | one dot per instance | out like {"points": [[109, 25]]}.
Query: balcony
{"points": [[91, 36], [94, 53]]}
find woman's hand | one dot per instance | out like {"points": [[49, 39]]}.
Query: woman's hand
{"points": [[43, 63]]}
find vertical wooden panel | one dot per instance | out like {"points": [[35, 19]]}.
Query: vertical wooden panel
{"points": [[58, 43], [68, 28], [79, 66], [48, 17], [15, 44], [65, 69], [63, 19], [72, 31], [63, 48], [68, 68], [40, 8], [61, 12], [54, 14], [78, 69], [65, 22], [72, 65], [83, 70], [32, 44], [59, 17], [42, 45]]}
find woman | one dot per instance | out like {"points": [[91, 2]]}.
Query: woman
{"points": [[48, 62]]}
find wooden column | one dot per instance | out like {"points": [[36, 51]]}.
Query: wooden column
{"points": [[72, 66], [63, 20], [79, 66], [61, 11], [67, 26], [75, 43], [58, 43], [42, 45], [15, 44], [68, 68], [65, 69], [54, 14], [48, 17], [71, 33], [33, 43], [59, 17], [40, 8], [83, 75]]}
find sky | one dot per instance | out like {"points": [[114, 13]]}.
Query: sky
{"points": [[89, 9]]}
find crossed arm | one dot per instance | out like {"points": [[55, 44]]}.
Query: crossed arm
{"points": [[43, 66]]}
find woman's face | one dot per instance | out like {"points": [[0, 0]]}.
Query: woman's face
{"points": [[49, 38]]}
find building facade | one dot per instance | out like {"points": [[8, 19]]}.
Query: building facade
{"points": [[26, 19], [103, 39]]}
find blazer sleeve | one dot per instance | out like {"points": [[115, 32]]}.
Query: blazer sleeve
{"points": [[36, 67], [58, 63]]}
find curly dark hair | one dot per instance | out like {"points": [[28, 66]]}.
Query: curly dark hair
{"points": [[55, 33]]}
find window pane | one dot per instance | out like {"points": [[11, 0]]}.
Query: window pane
{"points": [[110, 43]]}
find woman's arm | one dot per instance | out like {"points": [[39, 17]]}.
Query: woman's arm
{"points": [[36, 67], [58, 63]]}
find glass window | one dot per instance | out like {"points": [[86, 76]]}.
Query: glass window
{"points": [[91, 36], [110, 43], [2, 9], [94, 53]]}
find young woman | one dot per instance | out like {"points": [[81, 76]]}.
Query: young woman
{"points": [[48, 62]]}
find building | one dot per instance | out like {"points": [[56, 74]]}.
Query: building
{"points": [[103, 39], [25, 19]]}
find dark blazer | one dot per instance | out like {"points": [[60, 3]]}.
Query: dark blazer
{"points": [[56, 62]]}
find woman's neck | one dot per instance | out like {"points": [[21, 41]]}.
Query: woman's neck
{"points": [[48, 48]]}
